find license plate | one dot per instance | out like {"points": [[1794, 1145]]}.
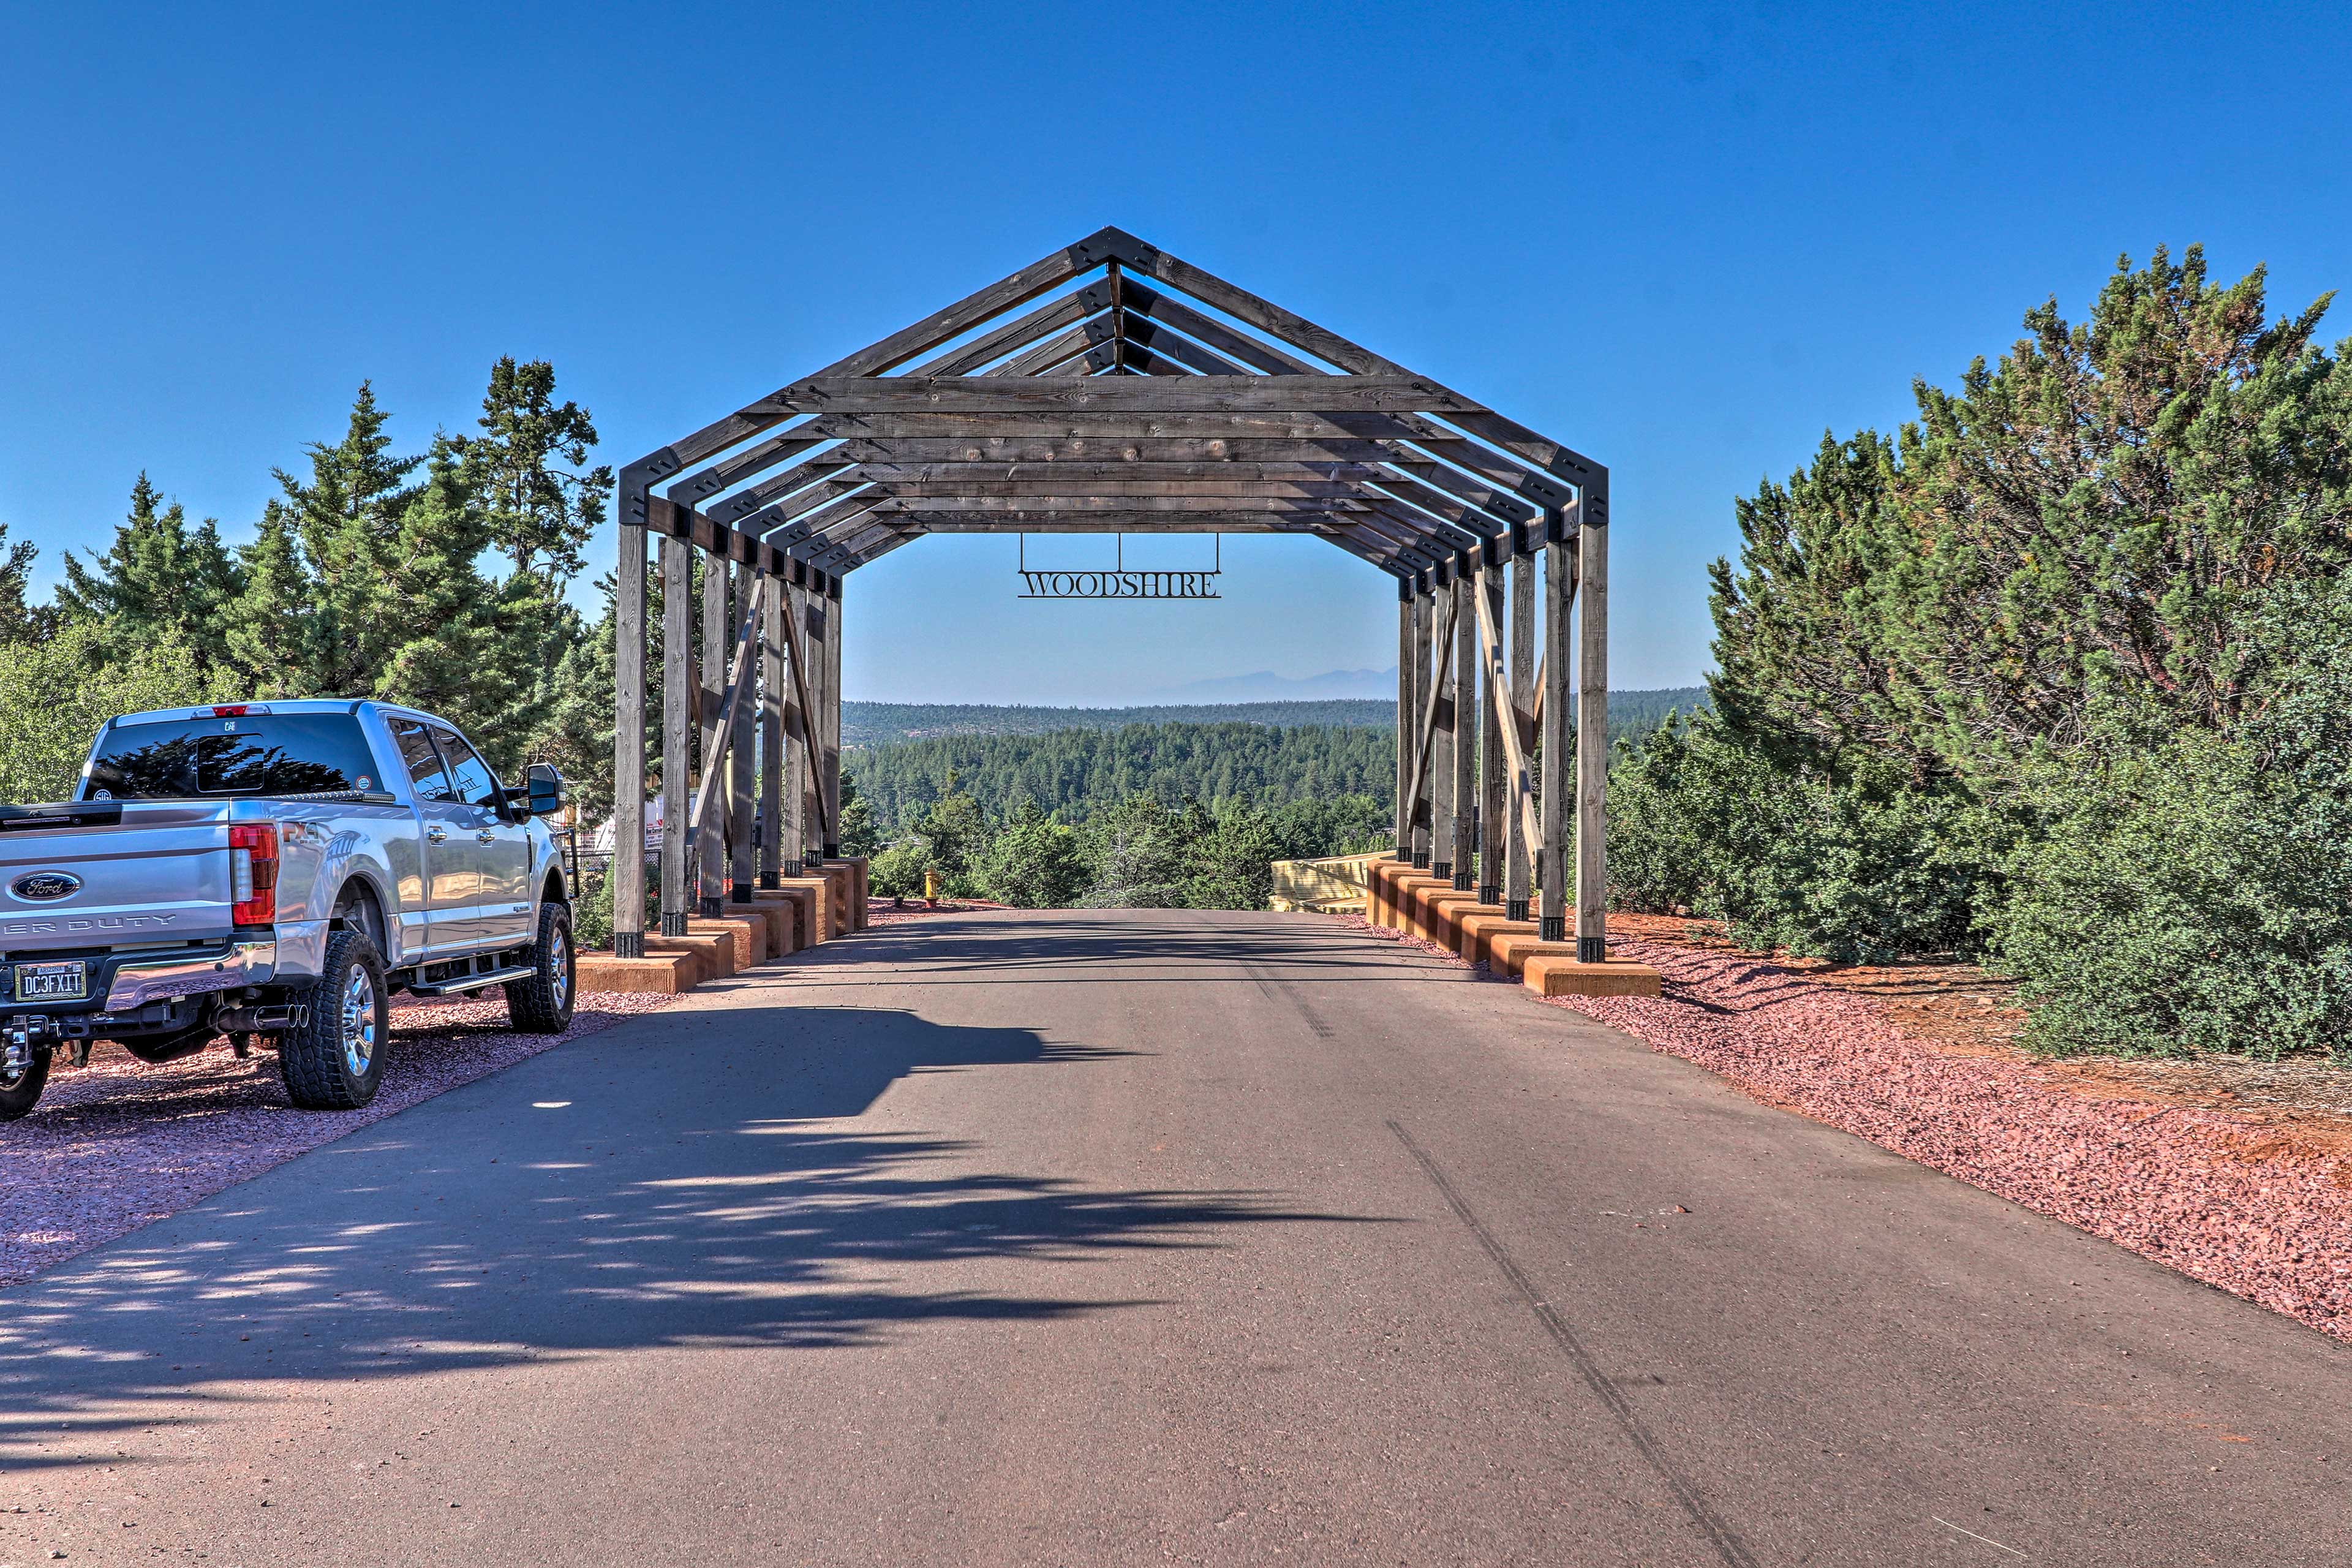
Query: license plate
{"points": [[63, 982]]}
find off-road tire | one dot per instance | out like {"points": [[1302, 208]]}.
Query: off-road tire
{"points": [[543, 1004], [18, 1095], [320, 1073]]}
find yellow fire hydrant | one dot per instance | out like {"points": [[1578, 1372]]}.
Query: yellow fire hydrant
{"points": [[931, 885]]}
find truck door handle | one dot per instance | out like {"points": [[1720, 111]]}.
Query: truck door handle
{"points": [[435, 834], [484, 836]]}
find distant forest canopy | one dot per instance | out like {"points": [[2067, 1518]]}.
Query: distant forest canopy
{"points": [[1076, 772], [1076, 769], [874, 724]]}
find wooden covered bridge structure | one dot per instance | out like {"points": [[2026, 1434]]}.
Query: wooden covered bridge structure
{"points": [[1112, 388]]}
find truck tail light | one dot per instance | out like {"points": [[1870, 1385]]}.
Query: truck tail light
{"points": [[253, 873]]}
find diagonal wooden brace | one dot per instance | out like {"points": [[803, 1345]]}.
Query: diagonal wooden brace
{"points": [[1443, 645], [738, 680], [1513, 751]]}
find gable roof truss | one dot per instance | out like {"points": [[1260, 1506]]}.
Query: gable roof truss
{"points": [[1115, 405]]}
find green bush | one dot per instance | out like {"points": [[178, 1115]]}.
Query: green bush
{"points": [[1032, 862], [2182, 890], [2184, 900], [1855, 869], [1138, 851], [897, 872]]}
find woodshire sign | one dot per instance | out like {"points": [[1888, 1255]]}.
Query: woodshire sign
{"points": [[1119, 585], [1118, 582]]}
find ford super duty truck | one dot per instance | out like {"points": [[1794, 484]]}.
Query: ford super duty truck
{"points": [[274, 872]]}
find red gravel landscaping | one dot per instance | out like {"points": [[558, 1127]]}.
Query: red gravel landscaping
{"points": [[119, 1143], [2222, 1198]]}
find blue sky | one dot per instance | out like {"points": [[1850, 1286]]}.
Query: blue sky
{"points": [[1685, 241]]}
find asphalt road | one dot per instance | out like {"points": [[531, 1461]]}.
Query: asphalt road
{"points": [[1116, 1239]]}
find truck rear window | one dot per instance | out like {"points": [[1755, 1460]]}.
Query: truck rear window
{"points": [[257, 754]]}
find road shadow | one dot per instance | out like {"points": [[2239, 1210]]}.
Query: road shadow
{"points": [[690, 1178], [1126, 947]]}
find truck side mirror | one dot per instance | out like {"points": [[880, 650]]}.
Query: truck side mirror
{"points": [[548, 794]]}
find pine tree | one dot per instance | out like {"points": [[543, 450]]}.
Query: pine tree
{"points": [[571, 721], [20, 621], [270, 631], [539, 514], [161, 581], [443, 630]]}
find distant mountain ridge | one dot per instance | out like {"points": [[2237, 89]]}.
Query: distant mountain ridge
{"points": [[1264, 686], [881, 724]]}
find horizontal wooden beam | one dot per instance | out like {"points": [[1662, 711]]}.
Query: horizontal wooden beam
{"points": [[1102, 424], [1113, 472], [1105, 452], [1114, 395], [1116, 521], [665, 517], [952, 500], [1078, 485]]}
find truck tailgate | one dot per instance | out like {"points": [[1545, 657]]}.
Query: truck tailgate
{"points": [[161, 873]]}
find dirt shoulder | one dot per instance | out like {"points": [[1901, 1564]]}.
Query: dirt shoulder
{"points": [[2298, 1107]]}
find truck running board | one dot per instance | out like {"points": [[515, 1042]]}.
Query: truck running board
{"points": [[458, 984]]}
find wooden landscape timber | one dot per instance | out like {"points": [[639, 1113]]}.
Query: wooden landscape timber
{"points": [[1075, 396]]}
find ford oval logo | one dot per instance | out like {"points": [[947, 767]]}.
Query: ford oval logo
{"points": [[46, 885]]}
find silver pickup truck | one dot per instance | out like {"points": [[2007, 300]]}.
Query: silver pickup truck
{"points": [[274, 872]]}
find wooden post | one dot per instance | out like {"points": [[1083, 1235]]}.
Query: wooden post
{"points": [[1407, 718], [791, 841], [628, 871], [1593, 725], [772, 731], [1441, 744], [1492, 714], [1424, 614], [677, 737], [740, 757], [709, 841], [1558, 773], [813, 634], [832, 719], [1519, 877], [1465, 727]]}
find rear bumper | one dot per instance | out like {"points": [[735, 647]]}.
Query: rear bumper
{"points": [[239, 964], [122, 984]]}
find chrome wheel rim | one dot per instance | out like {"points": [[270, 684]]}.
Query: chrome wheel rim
{"points": [[359, 1022], [560, 983]]}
